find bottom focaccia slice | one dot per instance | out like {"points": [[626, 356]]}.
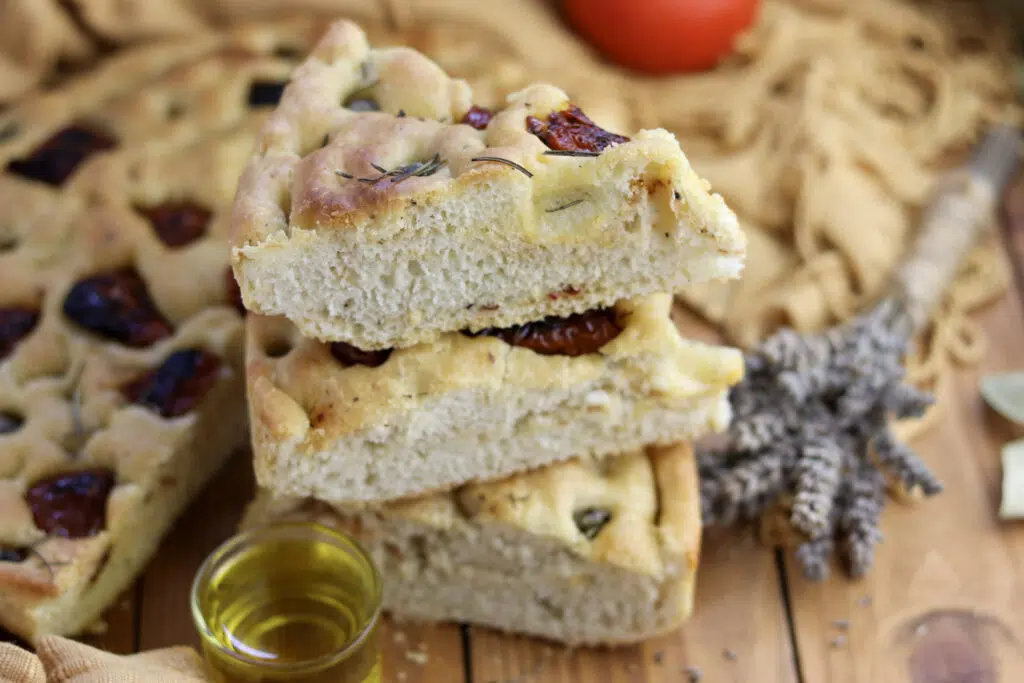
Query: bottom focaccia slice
{"points": [[582, 552], [342, 425]]}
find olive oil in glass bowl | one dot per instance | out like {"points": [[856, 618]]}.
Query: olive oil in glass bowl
{"points": [[289, 602]]}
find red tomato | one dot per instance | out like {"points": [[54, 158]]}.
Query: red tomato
{"points": [[662, 36]]}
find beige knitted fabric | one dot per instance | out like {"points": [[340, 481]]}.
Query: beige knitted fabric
{"points": [[60, 660]]}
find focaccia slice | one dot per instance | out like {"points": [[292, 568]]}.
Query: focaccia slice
{"points": [[579, 552], [341, 424], [382, 208]]}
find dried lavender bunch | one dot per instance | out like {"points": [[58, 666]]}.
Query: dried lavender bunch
{"points": [[811, 422]]}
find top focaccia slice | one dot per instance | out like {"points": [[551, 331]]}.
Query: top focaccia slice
{"points": [[382, 208]]}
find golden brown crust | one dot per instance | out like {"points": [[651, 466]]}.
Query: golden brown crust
{"points": [[328, 182]]}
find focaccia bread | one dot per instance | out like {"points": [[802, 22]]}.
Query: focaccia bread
{"points": [[580, 552], [344, 425], [121, 332], [119, 398], [160, 96], [382, 208]]}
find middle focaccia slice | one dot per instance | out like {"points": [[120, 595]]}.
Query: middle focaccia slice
{"points": [[346, 425]]}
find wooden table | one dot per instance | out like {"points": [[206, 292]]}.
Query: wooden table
{"points": [[943, 604]]}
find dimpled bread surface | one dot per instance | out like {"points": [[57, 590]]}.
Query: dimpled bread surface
{"points": [[323, 236]]}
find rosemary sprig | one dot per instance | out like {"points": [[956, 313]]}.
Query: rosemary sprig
{"points": [[78, 431], [397, 175], [568, 205], [507, 162], [571, 153]]}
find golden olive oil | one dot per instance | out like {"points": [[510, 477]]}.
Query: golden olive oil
{"points": [[290, 602]]}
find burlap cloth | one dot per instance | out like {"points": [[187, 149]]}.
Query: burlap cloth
{"points": [[60, 660]]}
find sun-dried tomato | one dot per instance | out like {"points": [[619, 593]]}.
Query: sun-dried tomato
{"points": [[71, 504], [177, 223], [117, 306], [575, 335], [178, 385], [15, 324], [346, 354], [571, 130], [478, 117], [56, 159]]}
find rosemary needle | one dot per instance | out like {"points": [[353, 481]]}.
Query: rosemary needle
{"points": [[568, 205], [507, 162], [571, 153]]}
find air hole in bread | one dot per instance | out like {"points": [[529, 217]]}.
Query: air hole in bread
{"points": [[265, 93], [361, 101], [10, 421], [277, 348], [552, 609], [591, 520], [348, 355], [8, 131], [289, 52], [8, 242], [175, 110], [415, 268], [10, 554]]}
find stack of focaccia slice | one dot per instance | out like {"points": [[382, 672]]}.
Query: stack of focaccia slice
{"points": [[461, 347]]}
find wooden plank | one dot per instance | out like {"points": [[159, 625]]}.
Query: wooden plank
{"points": [[119, 629], [422, 653], [165, 619], [739, 610], [947, 590]]}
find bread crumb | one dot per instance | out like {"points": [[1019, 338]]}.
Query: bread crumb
{"points": [[417, 657], [838, 642], [399, 637], [659, 657], [402, 675], [730, 655], [693, 674], [842, 624]]}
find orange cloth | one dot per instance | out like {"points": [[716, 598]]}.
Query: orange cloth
{"points": [[59, 660]]}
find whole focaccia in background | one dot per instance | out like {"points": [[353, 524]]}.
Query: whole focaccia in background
{"points": [[581, 552], [118, 403], [381, 208], [120, 329]]}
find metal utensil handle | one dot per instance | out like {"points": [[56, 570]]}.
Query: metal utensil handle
{"points": [[959, 212]]}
